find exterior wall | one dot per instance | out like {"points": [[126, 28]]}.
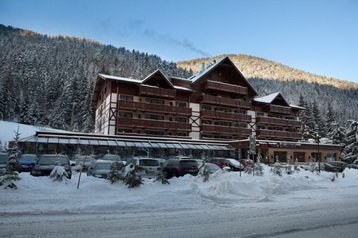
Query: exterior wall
{"points": [[195, 121]]}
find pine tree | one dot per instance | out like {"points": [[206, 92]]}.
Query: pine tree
{"points": [[350, 150], [132, 178], [318, 122], [330, 121], [116, 172]]}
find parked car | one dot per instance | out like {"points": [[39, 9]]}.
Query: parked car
{"points": [[212, 168], [4, 158], [46, 163], [83, 162], [221, 162], [101, 168], [111, 157], [27, 162], [147, 167], [180, 167], [235, 165], [335, 166]]}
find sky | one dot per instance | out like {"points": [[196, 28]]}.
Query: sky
{"points": [[318, 36]]}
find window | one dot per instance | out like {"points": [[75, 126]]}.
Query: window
{"points": [[223, 123], [123, 114], [206, 107], [206, 122], [126, 98], [180, 104], [155, 100], [181, 119], [154, 117]]}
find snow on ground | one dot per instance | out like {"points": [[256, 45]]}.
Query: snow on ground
{"points": [[40, 195], [7, 130]]}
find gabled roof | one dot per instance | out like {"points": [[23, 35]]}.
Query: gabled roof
{"points": [[105, 76], [156, 72], [270, 98], [213, 66]]}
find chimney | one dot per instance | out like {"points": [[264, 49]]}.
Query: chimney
{"points": [[202, 67]]}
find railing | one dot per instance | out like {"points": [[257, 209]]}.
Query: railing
{"points": [[225, 115], [225, 101], [157, 92], [278, 121], [225, 130], [153, 124], [280, 109], [278, 134], [213, 85], [154, 108]]}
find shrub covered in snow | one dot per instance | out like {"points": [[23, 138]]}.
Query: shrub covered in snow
{"points": [[58, 173], [116, 172], [132, 178], [9, 175]]}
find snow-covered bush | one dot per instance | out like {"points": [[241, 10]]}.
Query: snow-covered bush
{"points": [[161, 178], [116, 172], [277, 169], [204, 173], [9, 175], [58, 173], [132, 178]]}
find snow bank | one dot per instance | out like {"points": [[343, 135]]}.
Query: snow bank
{"points": [[36, 195]]}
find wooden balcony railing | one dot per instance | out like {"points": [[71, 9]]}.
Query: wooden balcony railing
{"points": [[225, 115], [153, 124], [225, 101], [219, 86], [225, 130], [157, 92], [277, 121], [287, 135], [149, 107], [280, 109]]}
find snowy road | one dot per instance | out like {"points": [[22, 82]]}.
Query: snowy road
{"points": [[314, 219]]}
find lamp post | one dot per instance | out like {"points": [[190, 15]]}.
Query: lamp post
{"points": [[318, 157]]}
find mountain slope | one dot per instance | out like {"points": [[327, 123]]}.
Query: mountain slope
{"points": [[268, 76], [254, 67]]}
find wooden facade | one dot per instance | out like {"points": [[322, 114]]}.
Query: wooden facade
{"points": [[218, 103]]}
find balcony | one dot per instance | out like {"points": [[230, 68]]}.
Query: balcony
{"points": [[278, 121], [219, 86], [225, 115], [280, 109], [148, 107], [153, 124], [156, 92], [286, 135], [225, 130], [225, 101]]}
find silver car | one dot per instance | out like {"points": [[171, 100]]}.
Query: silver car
{"points": [[147, 167], [101, 168]]}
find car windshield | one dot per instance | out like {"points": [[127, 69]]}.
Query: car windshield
{"points": [[4, 158], [148, 162], [103, 166], [83, 158], [188, 163], [111, 157], [212, 167], [53, 160], [234, 162], [28, 157]]}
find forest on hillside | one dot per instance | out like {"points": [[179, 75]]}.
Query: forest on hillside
{"points": [[49, 80]]}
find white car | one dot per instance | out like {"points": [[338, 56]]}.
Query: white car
{"points": [[147, 167]]}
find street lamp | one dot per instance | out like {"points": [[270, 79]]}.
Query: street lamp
{"points": [[318, 157]]}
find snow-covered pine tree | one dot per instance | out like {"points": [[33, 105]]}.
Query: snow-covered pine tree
{"points": [[132, 178], [58, 173], [116, 172], [350, 150], [9, 177], [161, 178], [318, 122], [330, 121]]}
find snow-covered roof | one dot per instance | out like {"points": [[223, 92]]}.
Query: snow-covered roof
{"points": [[183, 88], [298, 107], [156, 72], [198, 75], [105, 76], [267, 99]]}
